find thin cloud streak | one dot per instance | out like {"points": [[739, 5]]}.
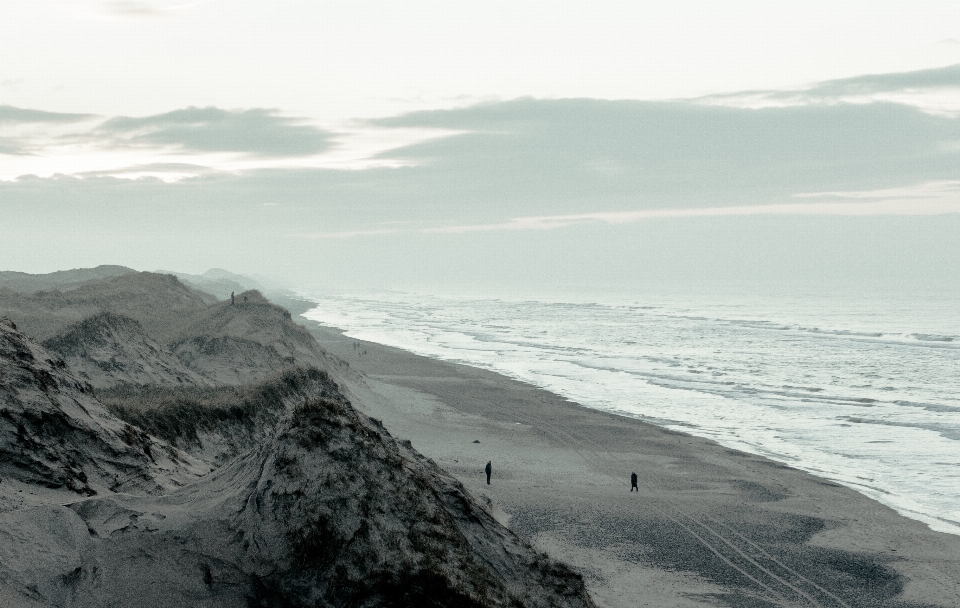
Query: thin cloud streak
{"points": [[934, 91], [132, 9], [258, 132], [141, 9], [10, 115], [936, 189], [935, 198], [908, 207], [344, 235]]}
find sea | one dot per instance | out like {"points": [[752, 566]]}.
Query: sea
{"points": [[863, 390]]}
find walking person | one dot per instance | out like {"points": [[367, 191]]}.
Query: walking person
{"points": [[633, 482], [488, 469]]}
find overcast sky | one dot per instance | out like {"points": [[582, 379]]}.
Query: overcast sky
{"points": [[593, 145]]}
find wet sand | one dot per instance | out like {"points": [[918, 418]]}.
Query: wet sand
{"points": [[709, 526]]}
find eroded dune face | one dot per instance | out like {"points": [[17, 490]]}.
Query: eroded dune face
{"points": [[250, 339], [320, 507], [55, 434], [330, 512], [108, 349]]}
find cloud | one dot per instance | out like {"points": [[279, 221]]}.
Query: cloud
{"points": [[488, 164], [132, 9], [945, 77], [946, 189], [935, 198], [143, 8], [259, 132], [935, 90], [12, 115], [188, 143], [570, 156], [11, 146], [542, 186], [17, 126], [901, 207], [346, 234], [917, 200], [165, 172]]}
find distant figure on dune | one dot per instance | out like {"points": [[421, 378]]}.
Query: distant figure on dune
{"points": [[488, 469], [244, 298], [633, 482], [231, 299]]}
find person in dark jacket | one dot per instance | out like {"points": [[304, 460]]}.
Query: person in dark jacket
{"points": [[633, 482], [488, 469]]}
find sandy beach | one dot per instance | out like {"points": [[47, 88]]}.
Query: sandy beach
{"points": [[709, 525]]}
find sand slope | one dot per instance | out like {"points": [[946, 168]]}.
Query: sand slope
{"points": [[108, 349], [249, 340]]}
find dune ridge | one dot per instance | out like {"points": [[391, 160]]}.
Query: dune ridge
{"points": [[262, 487]]}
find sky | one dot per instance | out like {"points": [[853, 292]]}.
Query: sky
{"points": [[487, 146]]}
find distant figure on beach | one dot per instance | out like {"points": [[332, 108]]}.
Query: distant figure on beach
{"points": [[633, 482], [244, 298], [231, 299], [488, 469]]}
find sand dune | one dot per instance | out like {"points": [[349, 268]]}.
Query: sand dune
{"points": [[274, 493]]}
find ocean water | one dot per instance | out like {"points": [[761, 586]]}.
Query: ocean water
{"points": [[864, 391]]}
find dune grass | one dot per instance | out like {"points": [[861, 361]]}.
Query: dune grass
{"points": [[178, 414]]}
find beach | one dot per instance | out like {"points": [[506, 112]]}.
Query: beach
{"points": [[709, 525]]}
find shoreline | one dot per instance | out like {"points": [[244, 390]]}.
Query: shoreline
{"points": [[912, 475], [710, 524]]}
